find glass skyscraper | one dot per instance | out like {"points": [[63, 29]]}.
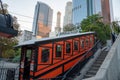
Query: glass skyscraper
{"points": [[83, 8], [68, 14], [97, 7], [42, 20]]}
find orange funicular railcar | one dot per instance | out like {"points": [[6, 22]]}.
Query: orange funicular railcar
{"points": [[49, 57]]}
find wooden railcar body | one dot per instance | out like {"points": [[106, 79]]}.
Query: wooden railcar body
{"points": [[50, 57]]}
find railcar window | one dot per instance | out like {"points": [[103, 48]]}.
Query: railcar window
{"points": [[45, 55], [58, 51], [82, 44], [23, 54], [90, 40], [75, 45], [68, 48], [87, 42], [28, 54], [33, 55]]}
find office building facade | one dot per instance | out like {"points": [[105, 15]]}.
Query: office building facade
{"points": [[106, 11], [68, 14], [83, 8], [97, 7], [42, 20], [58, 19]]}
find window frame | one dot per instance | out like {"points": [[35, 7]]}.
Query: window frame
{"points": [[55, 50], [87, 42], [70, 53], [91, 40], [45, 55], [50, 56], [82, 42], [74, 45], [29, 54]]}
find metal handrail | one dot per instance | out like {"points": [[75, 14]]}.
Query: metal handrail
{"points": [[79, 60], [65, 75]]}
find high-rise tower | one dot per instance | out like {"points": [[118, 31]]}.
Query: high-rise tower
{"points": [[58, 27], [68, 14], [83, 8], [58, 19], [42, 20], [106, 11]]}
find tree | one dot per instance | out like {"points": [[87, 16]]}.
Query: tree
{"points": [[5, 6], [16, 24], [17, 55], [6, 47], [69, 27], [116, 27], [94, 23]]}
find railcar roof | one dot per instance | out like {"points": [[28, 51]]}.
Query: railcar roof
{"points": [[30, 42]]}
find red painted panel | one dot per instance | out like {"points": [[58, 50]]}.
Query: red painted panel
{"points": [[53, 73], [47, 45], [70, 64], [40, 54]]}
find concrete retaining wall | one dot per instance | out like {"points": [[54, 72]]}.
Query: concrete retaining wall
{"points": [[110, 69]]}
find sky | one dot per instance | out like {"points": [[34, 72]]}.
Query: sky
{"points": [[116, 9], [26, 8]]}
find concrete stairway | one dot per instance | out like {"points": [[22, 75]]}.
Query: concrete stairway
{"points": [[96, 65]]}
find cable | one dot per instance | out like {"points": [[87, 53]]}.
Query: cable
{"points": [[25, 21], [30, 17], [21, 15], [28, 22]]}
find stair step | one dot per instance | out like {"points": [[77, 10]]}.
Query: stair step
{"points": [[69, 78], [88, 76], [94, 68], [98, 61], [103, 53], [102, 56], [93, 72], [96, 65]]}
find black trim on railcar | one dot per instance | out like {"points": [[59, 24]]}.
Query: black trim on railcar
{"points": [[60, 39], [57, 67]]}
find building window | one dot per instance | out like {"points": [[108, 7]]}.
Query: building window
{"points": [[75, 45], [82, 44], [45, 55], [58, 51], [68, 47]]}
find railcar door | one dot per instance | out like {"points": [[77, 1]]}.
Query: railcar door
{"points": [[27, 64], [26, 59]]}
